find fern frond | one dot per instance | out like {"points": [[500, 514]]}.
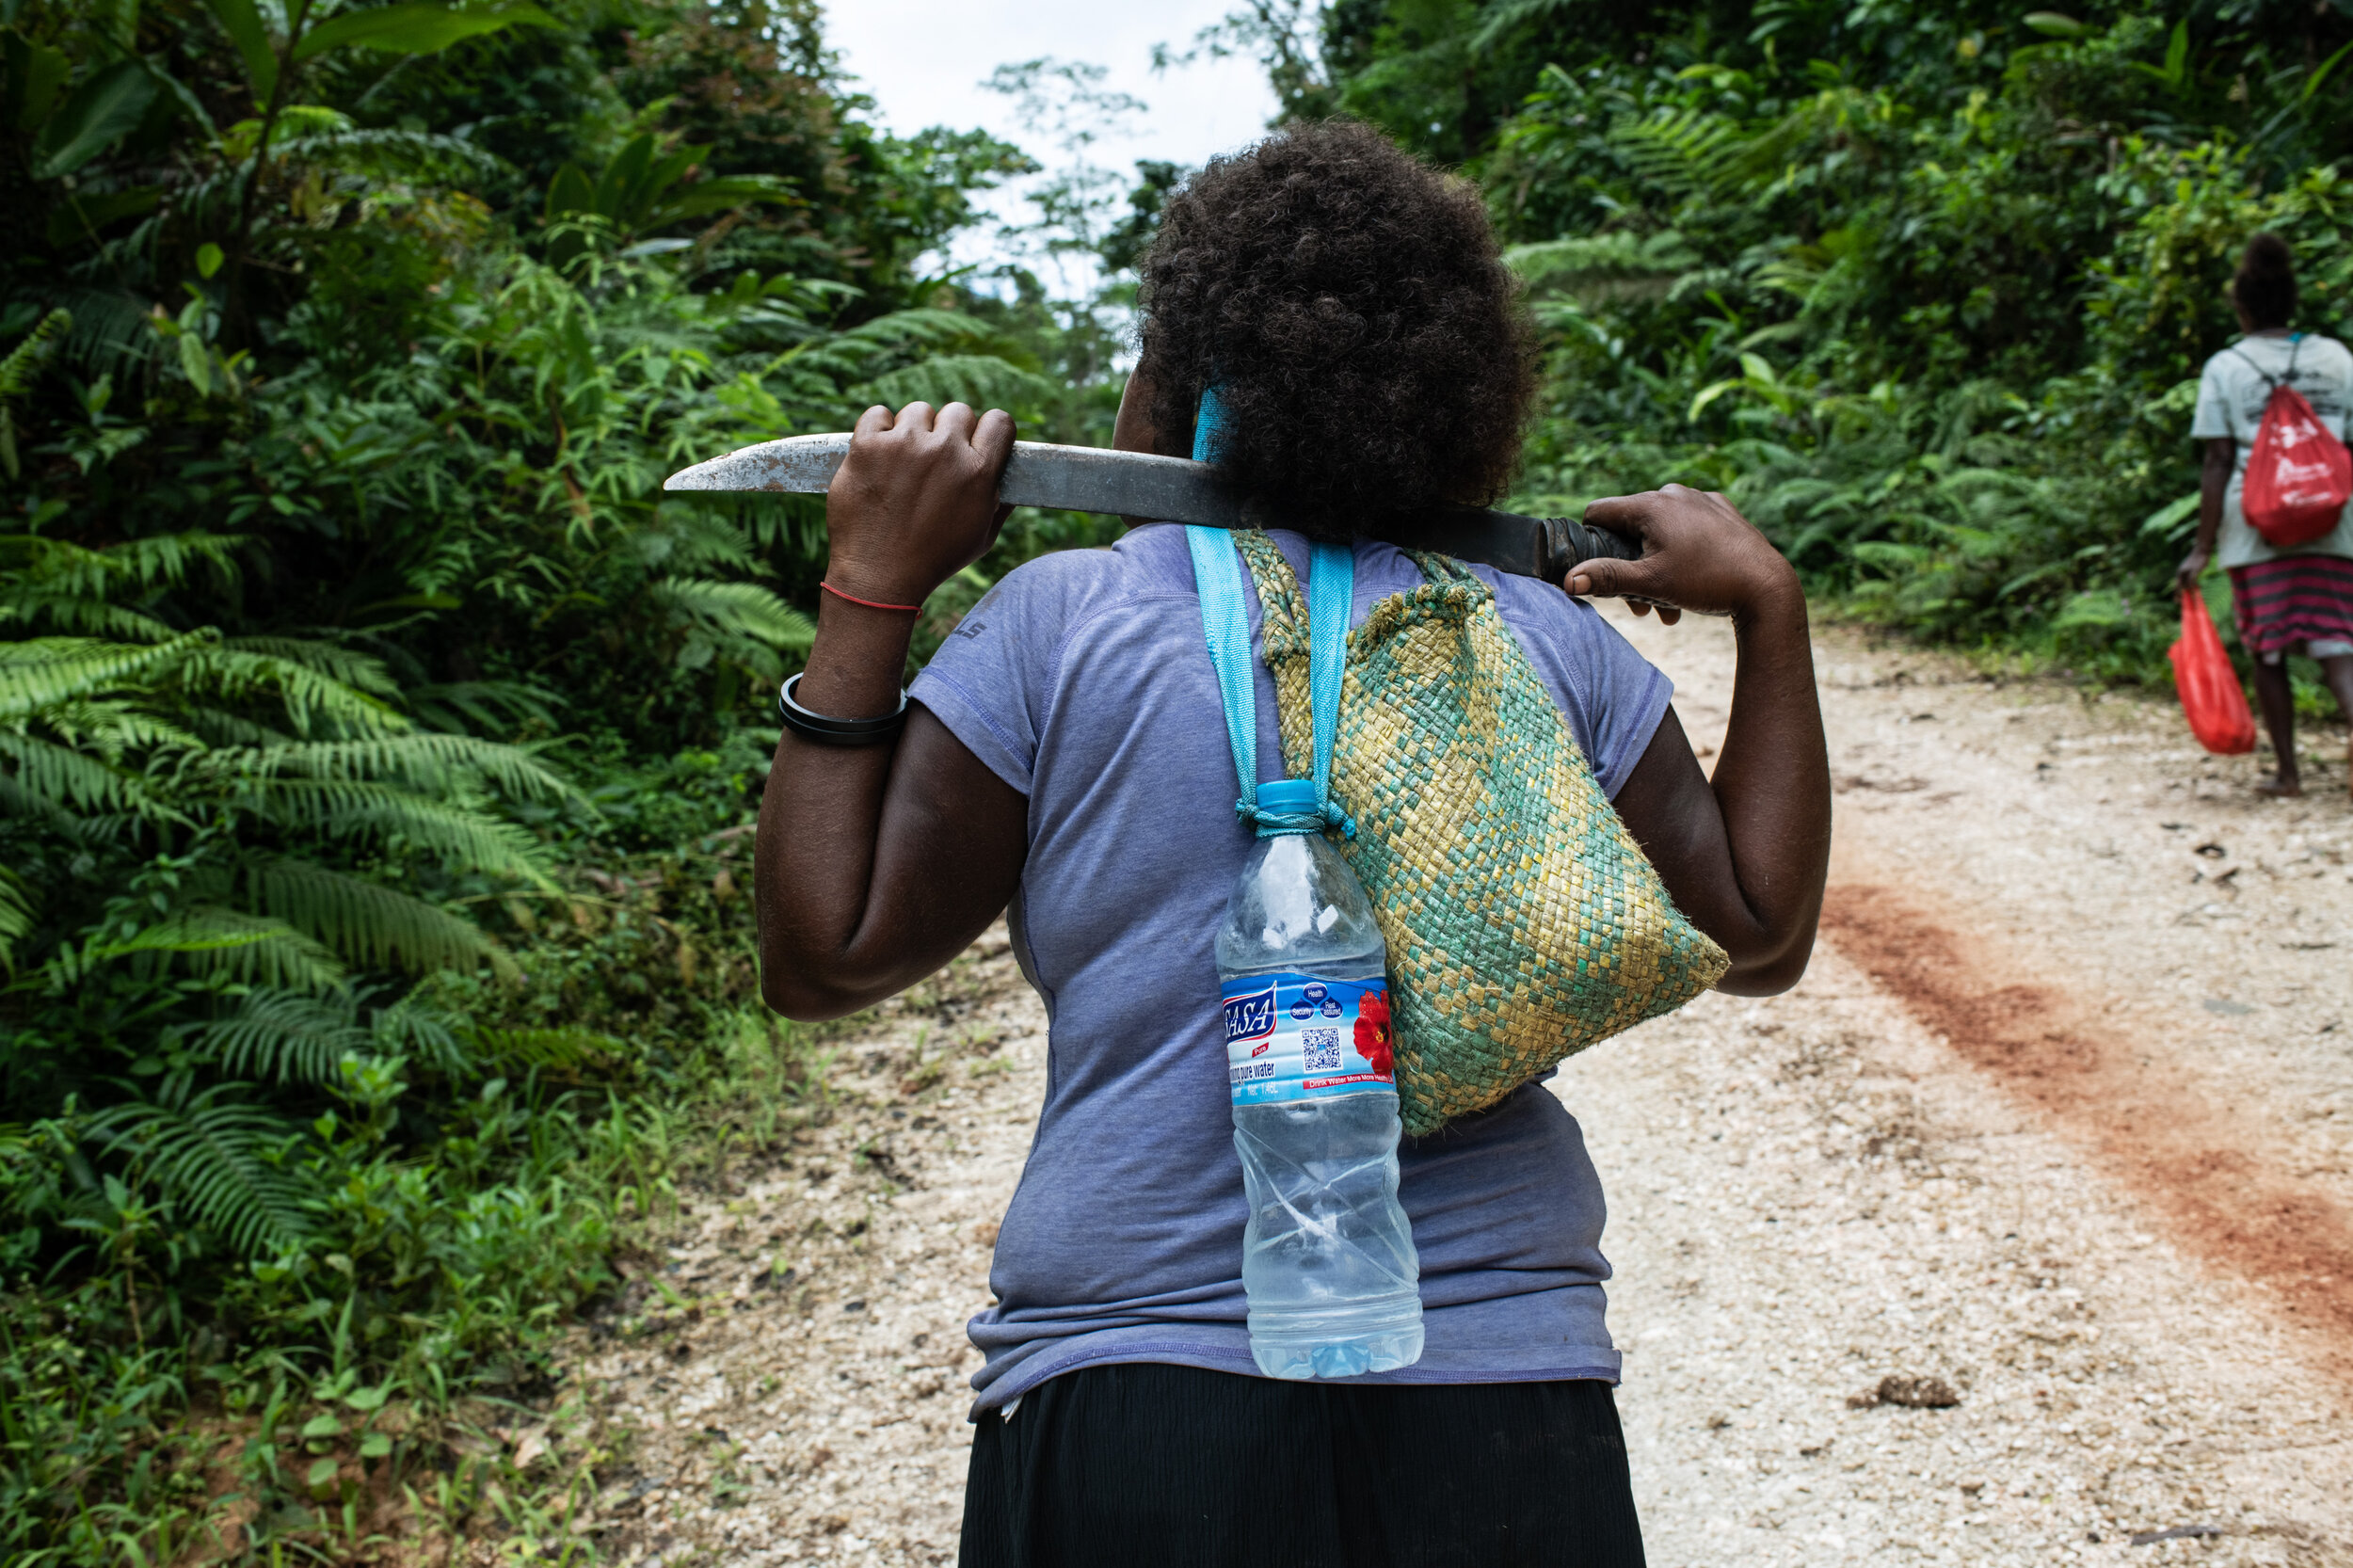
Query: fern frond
{"points": [[1612, 265], [25, 361], [693, 540], [17, 373], [56, 778], [110, 329], [429, 759], [222, 727], [464, 838], [914, 329], [1684, 151], [162, 560], [286, 1036], [16, 916], [743, 609], [76, 613], [39, 671], [370, 924], [220, 1160], [413, 1027], [1503, 17], [113, 728], [322, 658], [309, 697], [486, 704], [391, 155], [560, 1049], [211, 941], [982, 380]]}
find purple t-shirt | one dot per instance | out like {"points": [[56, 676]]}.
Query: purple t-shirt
{"points": [[1084, 680]]}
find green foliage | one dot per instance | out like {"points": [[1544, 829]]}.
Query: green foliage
{"points": [[376, 735], [1925, 288]]}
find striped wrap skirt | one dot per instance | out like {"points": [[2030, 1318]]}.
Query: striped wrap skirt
{"points": [[2294, 604]]}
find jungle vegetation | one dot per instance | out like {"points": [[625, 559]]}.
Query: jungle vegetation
{"points": [[1925, 288], [376, 742], [377, 739]]}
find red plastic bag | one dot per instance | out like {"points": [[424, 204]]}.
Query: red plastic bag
{"points": [[2298, 476], [2211, 694]]}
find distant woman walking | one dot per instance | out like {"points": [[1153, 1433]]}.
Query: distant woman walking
{"points": [[2295, 600]]}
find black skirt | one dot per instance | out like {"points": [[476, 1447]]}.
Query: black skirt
{"points": [[1146, 1464]]}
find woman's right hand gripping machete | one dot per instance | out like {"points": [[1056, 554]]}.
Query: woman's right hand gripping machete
{"points": [[1745, 854]]}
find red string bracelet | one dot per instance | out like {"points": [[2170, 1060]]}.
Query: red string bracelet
{"points": [[870, 604]]}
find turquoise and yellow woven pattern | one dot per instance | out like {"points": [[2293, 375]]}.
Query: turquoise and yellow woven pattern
{"points": [[1523, 921]]}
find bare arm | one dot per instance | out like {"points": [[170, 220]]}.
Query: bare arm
{"points": [[875, 865], [1745, 856], [2214, 484]]}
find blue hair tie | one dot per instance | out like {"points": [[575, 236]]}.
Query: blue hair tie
{"points": [[1209, 427]]}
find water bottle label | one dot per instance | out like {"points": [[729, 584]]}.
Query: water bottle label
{"points": [[1294, 1037]]}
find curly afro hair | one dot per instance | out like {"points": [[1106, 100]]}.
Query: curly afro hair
{"points": [[2264, 285], [1349, 303]]}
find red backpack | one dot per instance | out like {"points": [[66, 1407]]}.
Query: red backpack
{"points": [[2299, 475]]}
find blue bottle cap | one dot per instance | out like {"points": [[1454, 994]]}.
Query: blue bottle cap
{"points": [[1287, 795]]}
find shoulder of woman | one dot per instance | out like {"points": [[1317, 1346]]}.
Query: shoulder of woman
{"points": [[1048, 592], [1087, 575], [1576, 627]]}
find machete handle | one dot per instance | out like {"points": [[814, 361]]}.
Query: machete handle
{"points": [[1569, 543]]}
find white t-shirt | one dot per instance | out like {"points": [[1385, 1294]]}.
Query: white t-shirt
{"points": [[2230, 398]]}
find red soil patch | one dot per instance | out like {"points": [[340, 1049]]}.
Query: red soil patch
{"points": [[2197, 1160]]}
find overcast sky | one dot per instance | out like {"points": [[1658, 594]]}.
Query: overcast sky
{"points": [[923, 62]]}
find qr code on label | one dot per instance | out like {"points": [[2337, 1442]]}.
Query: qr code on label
{"points": [[1321, 1049]]}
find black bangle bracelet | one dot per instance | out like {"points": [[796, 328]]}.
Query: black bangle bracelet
{"points": [[838, 732]]}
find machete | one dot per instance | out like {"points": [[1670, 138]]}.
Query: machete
{"points": [[1172, 489]]}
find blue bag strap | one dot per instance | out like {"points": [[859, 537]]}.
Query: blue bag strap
{"points": [[1225, 622], [1331, 600]]}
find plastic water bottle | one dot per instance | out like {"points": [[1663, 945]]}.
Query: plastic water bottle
{"points": [[1328, 1258]]}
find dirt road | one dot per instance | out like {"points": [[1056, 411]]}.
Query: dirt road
{"points": [[2022, 1231]]}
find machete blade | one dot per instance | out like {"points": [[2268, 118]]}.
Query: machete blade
{"points": [[1172, 489]]}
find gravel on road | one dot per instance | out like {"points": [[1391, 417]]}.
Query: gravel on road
{"points": [[1881, 1297]]}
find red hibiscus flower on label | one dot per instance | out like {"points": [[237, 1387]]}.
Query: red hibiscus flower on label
{"points": [[1374, 1040]]}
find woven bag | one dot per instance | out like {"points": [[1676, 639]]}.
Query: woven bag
{"points": [[1523, 921]]}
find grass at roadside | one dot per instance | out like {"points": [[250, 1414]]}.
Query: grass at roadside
{"points": [[372, 1396]]}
